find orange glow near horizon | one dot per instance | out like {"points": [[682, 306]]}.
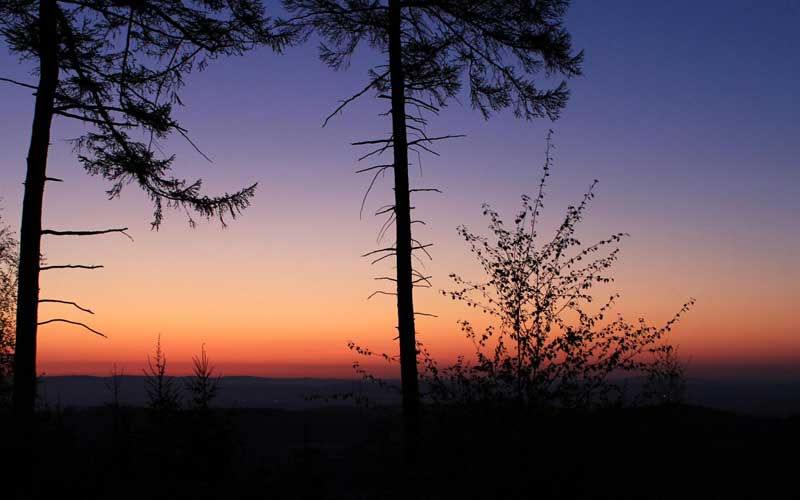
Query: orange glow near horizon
{"points": [[273, 303], [695, 161], [297, 321]]}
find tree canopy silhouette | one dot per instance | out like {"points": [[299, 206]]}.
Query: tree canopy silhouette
{"points": [[204, 383], [8, 306], [115, 66], [548, 343], [433, 49], [162, 392]]}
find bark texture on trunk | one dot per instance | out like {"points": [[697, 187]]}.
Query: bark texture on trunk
{"points": [[405, 301], [30, 233]]}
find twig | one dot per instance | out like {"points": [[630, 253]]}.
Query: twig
{"points": [[354, 97], [390, 249], [426, 314], [387, 165], [69, 266]]}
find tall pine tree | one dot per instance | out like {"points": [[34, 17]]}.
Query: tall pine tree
{"points": [[433, 49], [116, 66]]}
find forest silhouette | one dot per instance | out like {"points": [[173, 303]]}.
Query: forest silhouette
{"points": [[555, 395]]}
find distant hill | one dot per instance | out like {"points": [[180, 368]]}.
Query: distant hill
{"points": [[761, 397], [243, 392]]}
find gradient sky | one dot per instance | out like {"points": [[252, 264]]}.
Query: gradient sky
{"points": [[687, 114]]}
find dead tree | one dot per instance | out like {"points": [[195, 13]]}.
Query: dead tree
{"points": [[432, 48]]}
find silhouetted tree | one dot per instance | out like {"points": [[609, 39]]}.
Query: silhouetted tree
{"points": [[432, 48], [665, 378], [162, 393], [114, 386], [8, 304], [116, 66], [547, 344], [204, 384], [120, 443]]}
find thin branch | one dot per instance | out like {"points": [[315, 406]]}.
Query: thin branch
{"points": [[185, 135], [426, 279], [390, 249], [426, 314], [95, 121], [69, 266], [426, 148], [385, 226], [125, 55], [422, 247], [380, 292], [354, 97], [432, 139], [70, 303], [378, 151], [53, 179], [387, 165], [430, 107], [87, 233], [383, 257], [372, 141], [77, 323], [366, 193], [21, 84]]}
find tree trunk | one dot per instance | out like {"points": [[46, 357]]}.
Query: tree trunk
{"points": [[402, 208], [30, 234]]}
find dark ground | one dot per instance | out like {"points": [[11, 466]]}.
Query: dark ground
{"points": [[354, 453]]}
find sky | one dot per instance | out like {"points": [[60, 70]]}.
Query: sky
{"points": [[687, 114]]}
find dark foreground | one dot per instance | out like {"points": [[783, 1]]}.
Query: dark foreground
{"points": [[353, 453]]}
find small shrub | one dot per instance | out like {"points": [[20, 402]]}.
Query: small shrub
{"points": [[161, 391], [204, 384], [549, 344], [665, 379]]}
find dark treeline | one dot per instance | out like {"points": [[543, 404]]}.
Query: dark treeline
{"points": [[532, 412], [647, 452]]}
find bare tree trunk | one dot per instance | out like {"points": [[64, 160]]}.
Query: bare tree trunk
{"points": [[402, 208], [31, 226]]}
